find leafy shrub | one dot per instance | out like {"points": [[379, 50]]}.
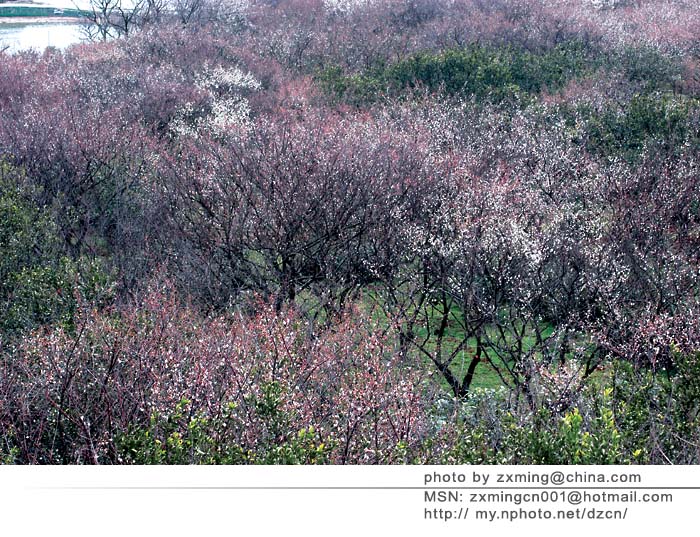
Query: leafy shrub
{"points": [[659, 411], [648, 67], [35, 285], [626, 415], [182, 439], [39, 283], [486, 72], [489, 431], [658, 118]]}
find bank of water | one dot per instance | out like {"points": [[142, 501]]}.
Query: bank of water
{"points": [[39, 35]]}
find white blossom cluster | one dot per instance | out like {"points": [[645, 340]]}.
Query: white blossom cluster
{"points": [[228, 106]]}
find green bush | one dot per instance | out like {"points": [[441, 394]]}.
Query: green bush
{"points": [[33, 289], [629, 415], [485, 72], [659, 412], [491, 432], [182, 438], [39, 284], [648, 67], [659, 118]]}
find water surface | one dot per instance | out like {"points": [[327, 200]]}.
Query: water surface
{"points": [[39, 36]]}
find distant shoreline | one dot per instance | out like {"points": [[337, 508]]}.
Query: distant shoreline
{"points": [[26, 13]]}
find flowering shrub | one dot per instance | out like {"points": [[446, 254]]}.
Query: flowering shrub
{"points": [[227, 106], [183, 388]]}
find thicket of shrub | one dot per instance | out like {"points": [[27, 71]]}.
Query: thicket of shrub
{"points": [[390, 232]]}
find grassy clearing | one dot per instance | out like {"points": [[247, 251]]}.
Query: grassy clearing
{"points": [[486, 374]]}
